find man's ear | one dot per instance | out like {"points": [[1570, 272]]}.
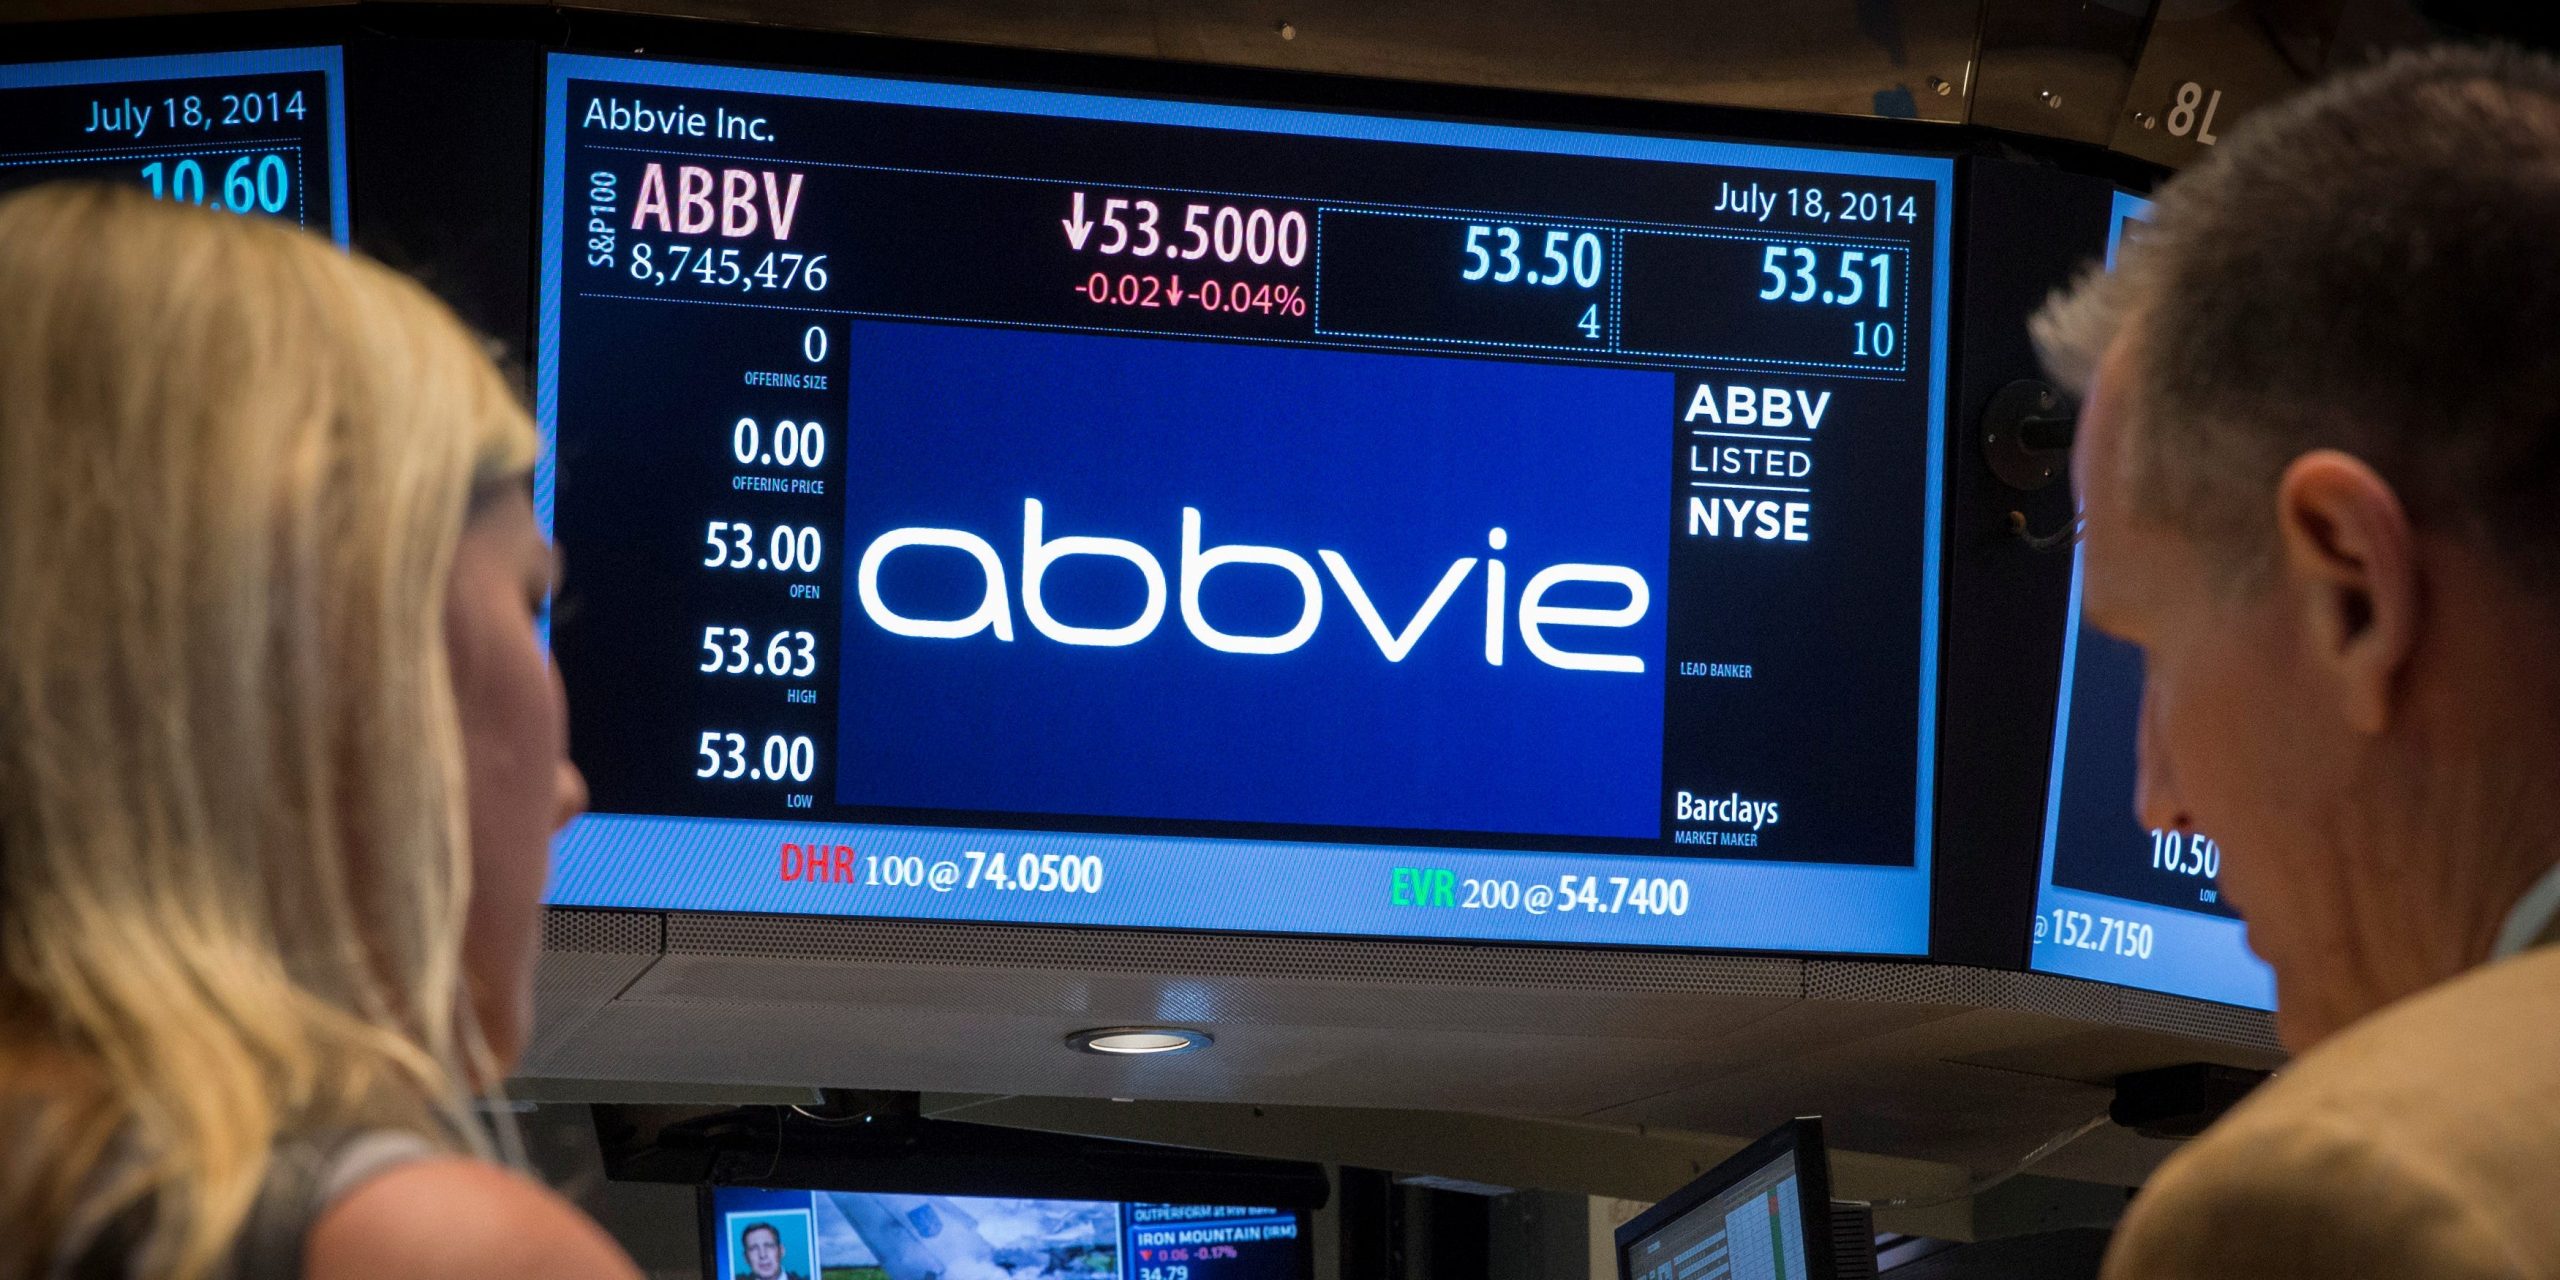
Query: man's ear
{"points": [[2348, 557]]}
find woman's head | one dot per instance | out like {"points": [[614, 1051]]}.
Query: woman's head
{"points": [[271, 699]]}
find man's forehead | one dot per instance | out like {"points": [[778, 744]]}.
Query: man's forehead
{"points": [[2102, 480], [2109, 407]]}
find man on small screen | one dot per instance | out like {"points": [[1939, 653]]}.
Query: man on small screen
{"points": [[2319, 460], [761, 1245]]}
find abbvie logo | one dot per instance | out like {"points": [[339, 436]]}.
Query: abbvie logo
{"points": [[994, 612]]}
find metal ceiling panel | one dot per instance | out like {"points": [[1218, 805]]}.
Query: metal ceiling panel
{"points": [[1930, 1062]]}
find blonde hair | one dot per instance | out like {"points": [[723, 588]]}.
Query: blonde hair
{"points": [[234, 466]]}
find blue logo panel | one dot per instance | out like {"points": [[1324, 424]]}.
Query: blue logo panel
{"points": [[1310, 615]]}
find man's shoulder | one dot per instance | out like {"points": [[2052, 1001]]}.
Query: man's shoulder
{"points": [[2430, 1131], [451, 1216], [2483, 1043]]}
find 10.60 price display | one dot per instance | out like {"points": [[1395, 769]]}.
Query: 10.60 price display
{"points": [[250, 184]]}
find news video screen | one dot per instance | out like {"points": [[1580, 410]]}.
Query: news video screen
{"points": [[252, 132], [2121, 903], [1752, 1230], [1017, 505], [758, 1234]]}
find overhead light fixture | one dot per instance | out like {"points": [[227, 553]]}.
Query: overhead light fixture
{"points": [[1138, 1041]]}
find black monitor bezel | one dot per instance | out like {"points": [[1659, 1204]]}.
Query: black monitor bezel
{"points": [[1801, 1138]]}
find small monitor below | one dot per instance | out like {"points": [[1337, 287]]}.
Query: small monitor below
{"points": [[760, 1234], [1765, 1214]]}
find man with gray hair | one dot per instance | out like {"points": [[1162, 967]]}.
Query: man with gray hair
{"points": [[2319, 459]]}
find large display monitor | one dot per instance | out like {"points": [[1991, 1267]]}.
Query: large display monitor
{"points": [[998, 504], [757, 1234], [1764, 1214], [249, 132], [2117, 902]]}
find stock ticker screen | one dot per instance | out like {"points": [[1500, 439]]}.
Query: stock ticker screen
{"points": [[251, 132], [998, 504], [2120, 903], [759, 1234]]}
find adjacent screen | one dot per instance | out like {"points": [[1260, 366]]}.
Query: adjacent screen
{"points": [[258, 132], [860, 1235], [1011, 505], [2119, 903], [1763, 1214], [1753, 1230]]}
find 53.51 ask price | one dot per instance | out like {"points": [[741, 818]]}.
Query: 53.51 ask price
{"points": [[1859, 278]]}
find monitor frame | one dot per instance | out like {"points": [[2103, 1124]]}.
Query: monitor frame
{"points": [[1983, 879], [1801, 1138], [1993, 710], [1908, 912]]}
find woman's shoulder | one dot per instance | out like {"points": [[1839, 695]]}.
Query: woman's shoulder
{"points": [[449, 1215]]}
